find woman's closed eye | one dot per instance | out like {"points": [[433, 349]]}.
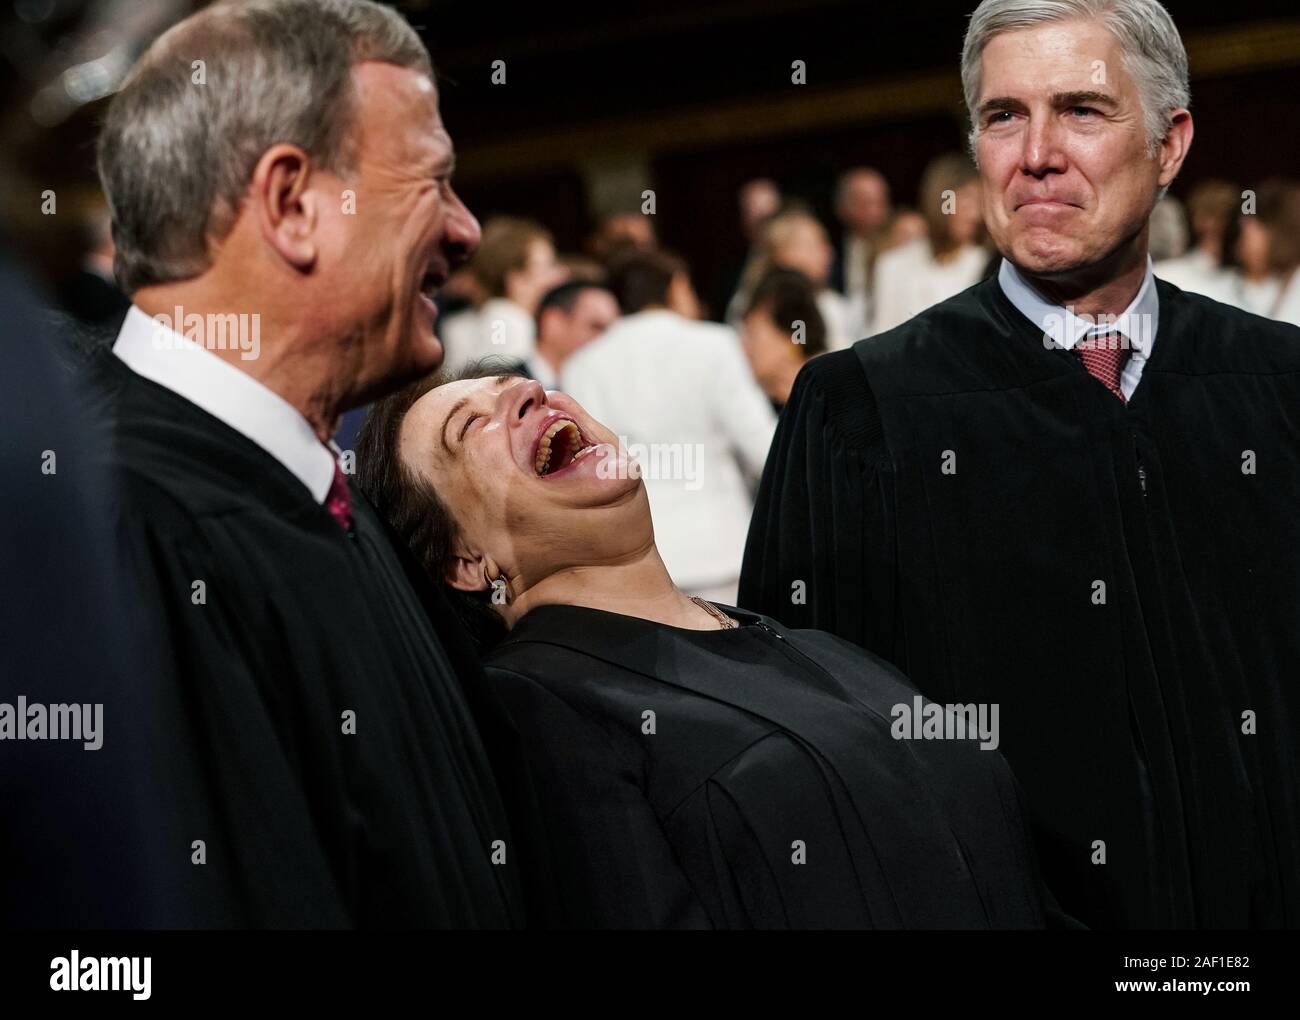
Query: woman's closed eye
{"points": [[469, 420]]}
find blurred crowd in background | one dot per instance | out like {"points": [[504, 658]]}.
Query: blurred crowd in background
{"points": [[822, 286], [832, 252], [621, 325]]}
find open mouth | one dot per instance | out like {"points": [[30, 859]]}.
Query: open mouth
{"points": [[561, 445], [431, 283]]}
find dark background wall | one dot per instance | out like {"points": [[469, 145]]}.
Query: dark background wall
{"points": [[693, 97]]}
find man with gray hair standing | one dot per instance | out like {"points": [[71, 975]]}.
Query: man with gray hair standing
{"points": [[1071, 491], [279, 178]]}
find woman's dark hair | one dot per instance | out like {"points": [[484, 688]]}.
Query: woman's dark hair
{"points": [[786, 296], [412, 507]]}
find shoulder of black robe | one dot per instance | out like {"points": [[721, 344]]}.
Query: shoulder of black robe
{"points": [[322, 748], [818, 535], [80, 843], [663, 776], [1201, 551]]}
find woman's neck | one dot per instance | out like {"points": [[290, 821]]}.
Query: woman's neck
{"points": [[780, 381], [637, 585]]}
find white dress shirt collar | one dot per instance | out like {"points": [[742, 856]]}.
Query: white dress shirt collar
{"points": [[1137, 323], [153, 350]]}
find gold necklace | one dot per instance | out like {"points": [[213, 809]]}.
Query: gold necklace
{"points": [[727, 622]]}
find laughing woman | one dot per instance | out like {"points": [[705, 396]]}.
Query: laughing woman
{"points": [[673, 763]]}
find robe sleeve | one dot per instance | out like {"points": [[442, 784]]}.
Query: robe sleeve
{"points": [[230, 781], [821, 545], [590, 848]]}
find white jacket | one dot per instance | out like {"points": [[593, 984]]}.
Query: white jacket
{"points": [[500, 329]]}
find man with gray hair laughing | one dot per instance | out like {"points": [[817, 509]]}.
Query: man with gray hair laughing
{"points": [[280, 183], [1071, 490]]}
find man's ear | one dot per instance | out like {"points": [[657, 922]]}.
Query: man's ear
{"points": [[286, 207], [1174, 149]]}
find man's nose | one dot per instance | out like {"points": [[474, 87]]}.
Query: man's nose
{"points": [[1042, 152], [461, 233]]}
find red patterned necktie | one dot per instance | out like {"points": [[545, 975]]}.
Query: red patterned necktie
{"points": [[339, 500], [1104, 356]]}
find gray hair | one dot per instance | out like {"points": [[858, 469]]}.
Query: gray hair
{"points": [[1152, 50], [182, 138]]}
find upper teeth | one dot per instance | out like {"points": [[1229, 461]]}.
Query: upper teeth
{"points": [[544, 447]]}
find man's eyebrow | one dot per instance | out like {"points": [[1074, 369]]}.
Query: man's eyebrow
{"points": [[444, 162], [456, 408], [1060, 100], [1068, 99], [1001, 103]]}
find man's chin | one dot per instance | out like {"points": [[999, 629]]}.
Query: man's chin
{"points": [[432, 355], [426, 350], [1047, 257]]}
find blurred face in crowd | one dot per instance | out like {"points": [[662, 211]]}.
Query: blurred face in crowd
{"points": [[541, 271], [759, 201], [561, 332], [909, 225], [967, 214], [1062, 147], [1253, 247], [864, 202], [382, 262], [627, 228], [804, 247], [534, 483], [1208, 224], [771, 351]]}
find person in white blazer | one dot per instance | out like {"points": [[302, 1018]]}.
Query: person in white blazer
{"points": [[680, 395], [911, 278]]}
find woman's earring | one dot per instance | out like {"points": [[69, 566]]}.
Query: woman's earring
{"points": [[500, 594]]}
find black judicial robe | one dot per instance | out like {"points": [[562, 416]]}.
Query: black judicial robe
{"points": [[669, 778], [955, 493], [318, 740]]}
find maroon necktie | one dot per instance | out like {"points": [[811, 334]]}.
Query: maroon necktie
{"points": [[1104, 356], [339, 500]]}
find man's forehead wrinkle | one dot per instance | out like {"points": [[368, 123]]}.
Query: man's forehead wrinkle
{"points": [[396, 87]]}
